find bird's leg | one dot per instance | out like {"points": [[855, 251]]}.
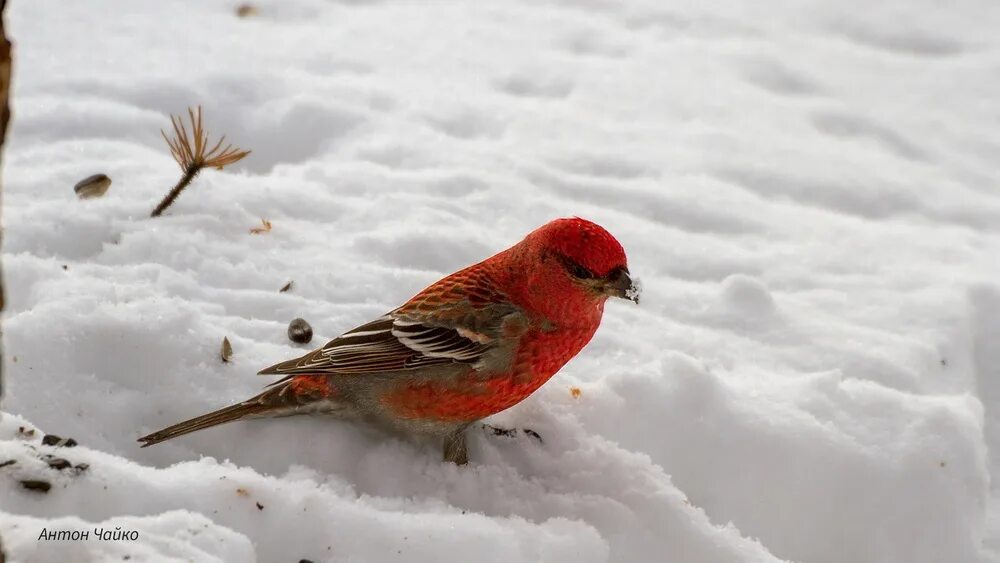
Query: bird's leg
{"points": [[511, 432], [454, 447]]}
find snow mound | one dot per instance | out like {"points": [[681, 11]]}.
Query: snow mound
{"points": [[590, 502]]}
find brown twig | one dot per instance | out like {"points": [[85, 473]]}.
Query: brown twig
{"points": [[192, 154]]}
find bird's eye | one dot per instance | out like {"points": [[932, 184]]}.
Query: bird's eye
{"points": [[579, 271], [575, 269]]}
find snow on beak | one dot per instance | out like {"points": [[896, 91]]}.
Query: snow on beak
{"points": [[621, 284]]}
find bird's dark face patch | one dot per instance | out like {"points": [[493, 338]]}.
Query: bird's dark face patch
{"points": [[616, 283]]}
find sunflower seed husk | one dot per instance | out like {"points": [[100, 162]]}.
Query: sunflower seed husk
{"points": [[53, 440], [58, 463], [246, 10], [92, 186], [227, 350]]}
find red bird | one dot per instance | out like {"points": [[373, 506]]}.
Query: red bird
{"points": [[471, 345]]}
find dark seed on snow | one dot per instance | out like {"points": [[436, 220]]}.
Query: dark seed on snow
{"points": [[34, 485], [92, 186], [81, 467], [58, 463], [8, 462], [286, 287], [300, 331], [53, 440]]}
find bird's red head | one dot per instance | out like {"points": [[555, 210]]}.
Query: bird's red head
{"points": [[574, 261]]}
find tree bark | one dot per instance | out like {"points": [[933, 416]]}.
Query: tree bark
{"points": [[5, 67]]}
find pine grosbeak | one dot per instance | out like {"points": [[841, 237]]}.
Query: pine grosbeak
{"points": [[473, 344]]}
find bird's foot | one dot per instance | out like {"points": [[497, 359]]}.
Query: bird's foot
{"points": [[511, 432], [455, 449]]}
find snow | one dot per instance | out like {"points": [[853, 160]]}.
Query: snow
{"points": [[176, 536], [807, 190]]}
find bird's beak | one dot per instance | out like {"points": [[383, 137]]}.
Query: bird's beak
{"points": [[621, 284]]}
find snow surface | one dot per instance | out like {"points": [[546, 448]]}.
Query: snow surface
{"points": [[808, 190]]}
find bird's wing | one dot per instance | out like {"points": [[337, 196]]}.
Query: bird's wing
{"points": [[453, 322]]}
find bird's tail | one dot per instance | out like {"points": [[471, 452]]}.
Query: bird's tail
{"points": [[283, 398], [221, 416]]}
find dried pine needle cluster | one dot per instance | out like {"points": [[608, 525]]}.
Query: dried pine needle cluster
{"points": [[192, 154], [189, 151]]}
